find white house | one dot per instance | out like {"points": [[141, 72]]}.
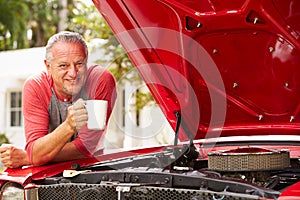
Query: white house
{"points": [[17, 65]]}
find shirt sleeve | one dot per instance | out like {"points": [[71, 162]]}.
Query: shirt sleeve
{"points": [[100, 85], [35, 113]]}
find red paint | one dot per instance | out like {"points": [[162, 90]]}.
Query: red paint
{"points": [[231, 68], [253, 44], [242, 74]]}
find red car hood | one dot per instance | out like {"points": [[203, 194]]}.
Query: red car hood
{"points": [[225, 67], [27, 174]]}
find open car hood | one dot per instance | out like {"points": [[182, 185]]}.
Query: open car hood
{"points": [[216, 67]]}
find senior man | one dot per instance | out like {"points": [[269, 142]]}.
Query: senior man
{"points": [[54, 111]]}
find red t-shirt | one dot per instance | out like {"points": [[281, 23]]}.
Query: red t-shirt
{"points": [[37, 92]]}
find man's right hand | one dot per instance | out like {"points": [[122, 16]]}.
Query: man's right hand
{"points": [[77, 115], [13, 157]]}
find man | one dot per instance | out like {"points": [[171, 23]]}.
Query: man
{"points": [[54, 111]]}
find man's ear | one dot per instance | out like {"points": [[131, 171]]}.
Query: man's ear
{"points": [[47, 65]]}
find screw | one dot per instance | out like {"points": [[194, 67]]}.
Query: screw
{"points": [[199, 25], [235, 85], [75, 166], [104, 178], [271, 49], [135, 179], [255, 20], [292, 118], [215, 51], [167, 180], [286, 84], [260, 117]]}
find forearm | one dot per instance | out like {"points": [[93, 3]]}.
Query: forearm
{"points": [[46, 148], [68, 152]]}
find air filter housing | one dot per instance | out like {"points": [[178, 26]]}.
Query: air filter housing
{"points": [[248, 159]]}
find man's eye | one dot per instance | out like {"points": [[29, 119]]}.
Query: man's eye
{"points": [[79, 64], [63, 66]]}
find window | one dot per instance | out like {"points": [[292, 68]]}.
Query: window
{"points": [[15, 109]]}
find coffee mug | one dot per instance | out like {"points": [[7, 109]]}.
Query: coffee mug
{"points": [[97, 111]]}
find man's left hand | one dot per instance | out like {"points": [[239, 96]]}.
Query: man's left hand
{"points": [[13, 157]]}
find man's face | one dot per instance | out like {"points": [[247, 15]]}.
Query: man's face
{"points": [[68, 68]]}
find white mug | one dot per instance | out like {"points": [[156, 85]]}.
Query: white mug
{"points": [[97, 111]]}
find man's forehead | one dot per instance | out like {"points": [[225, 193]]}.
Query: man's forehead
{"points": [[67, 49], [62, 45]]}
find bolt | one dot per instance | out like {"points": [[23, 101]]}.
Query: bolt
{"points": [[292, 118], [167, 180], [271, 49], [75, 166], [235, 85], [286, 84], [104, 178], [260, 117], [215, 51], [255, 20], [199, 25], [135, 179]]}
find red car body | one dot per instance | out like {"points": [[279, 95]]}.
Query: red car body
{"points": [[224, 73]]}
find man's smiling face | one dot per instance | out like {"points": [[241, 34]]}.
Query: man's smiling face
{"points": [[68, 68]]}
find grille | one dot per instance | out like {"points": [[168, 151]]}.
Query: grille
{"points": [[249, 159], [105, 192]]}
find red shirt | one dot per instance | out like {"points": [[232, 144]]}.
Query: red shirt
{"points": [[100, 84]]}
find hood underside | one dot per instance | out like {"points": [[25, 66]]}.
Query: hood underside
{"points": [[223, 67]]}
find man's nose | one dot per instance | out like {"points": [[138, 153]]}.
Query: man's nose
{"points": [[73, 70]]}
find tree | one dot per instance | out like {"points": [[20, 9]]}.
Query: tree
{"points": [[43, 21], [13, 21], [62, 13]]}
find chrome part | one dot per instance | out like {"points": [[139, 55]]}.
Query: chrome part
{"points": [[31, 194]]}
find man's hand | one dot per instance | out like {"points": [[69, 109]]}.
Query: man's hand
{"points": [[77, 115], [13, 157]]}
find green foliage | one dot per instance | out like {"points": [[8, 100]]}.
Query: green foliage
{"points": [[43, 20], [87, 21], [3, 139], [142, 99], [16, 20], [13, 24]]}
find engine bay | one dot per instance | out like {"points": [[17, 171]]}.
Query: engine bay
{"points": [[189, 172]]}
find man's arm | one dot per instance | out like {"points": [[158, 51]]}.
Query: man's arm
{"points": [[13, 157], [55, 146], [100, 85], [68, 152]]}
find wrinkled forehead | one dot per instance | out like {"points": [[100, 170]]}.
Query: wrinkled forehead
{"points": [[67, 51]]}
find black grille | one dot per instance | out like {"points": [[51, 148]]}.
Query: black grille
{"points": [[109, 192], [76, 192]]}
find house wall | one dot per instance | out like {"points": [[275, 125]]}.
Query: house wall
{"points": [[153, 128], [14, 134]]}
